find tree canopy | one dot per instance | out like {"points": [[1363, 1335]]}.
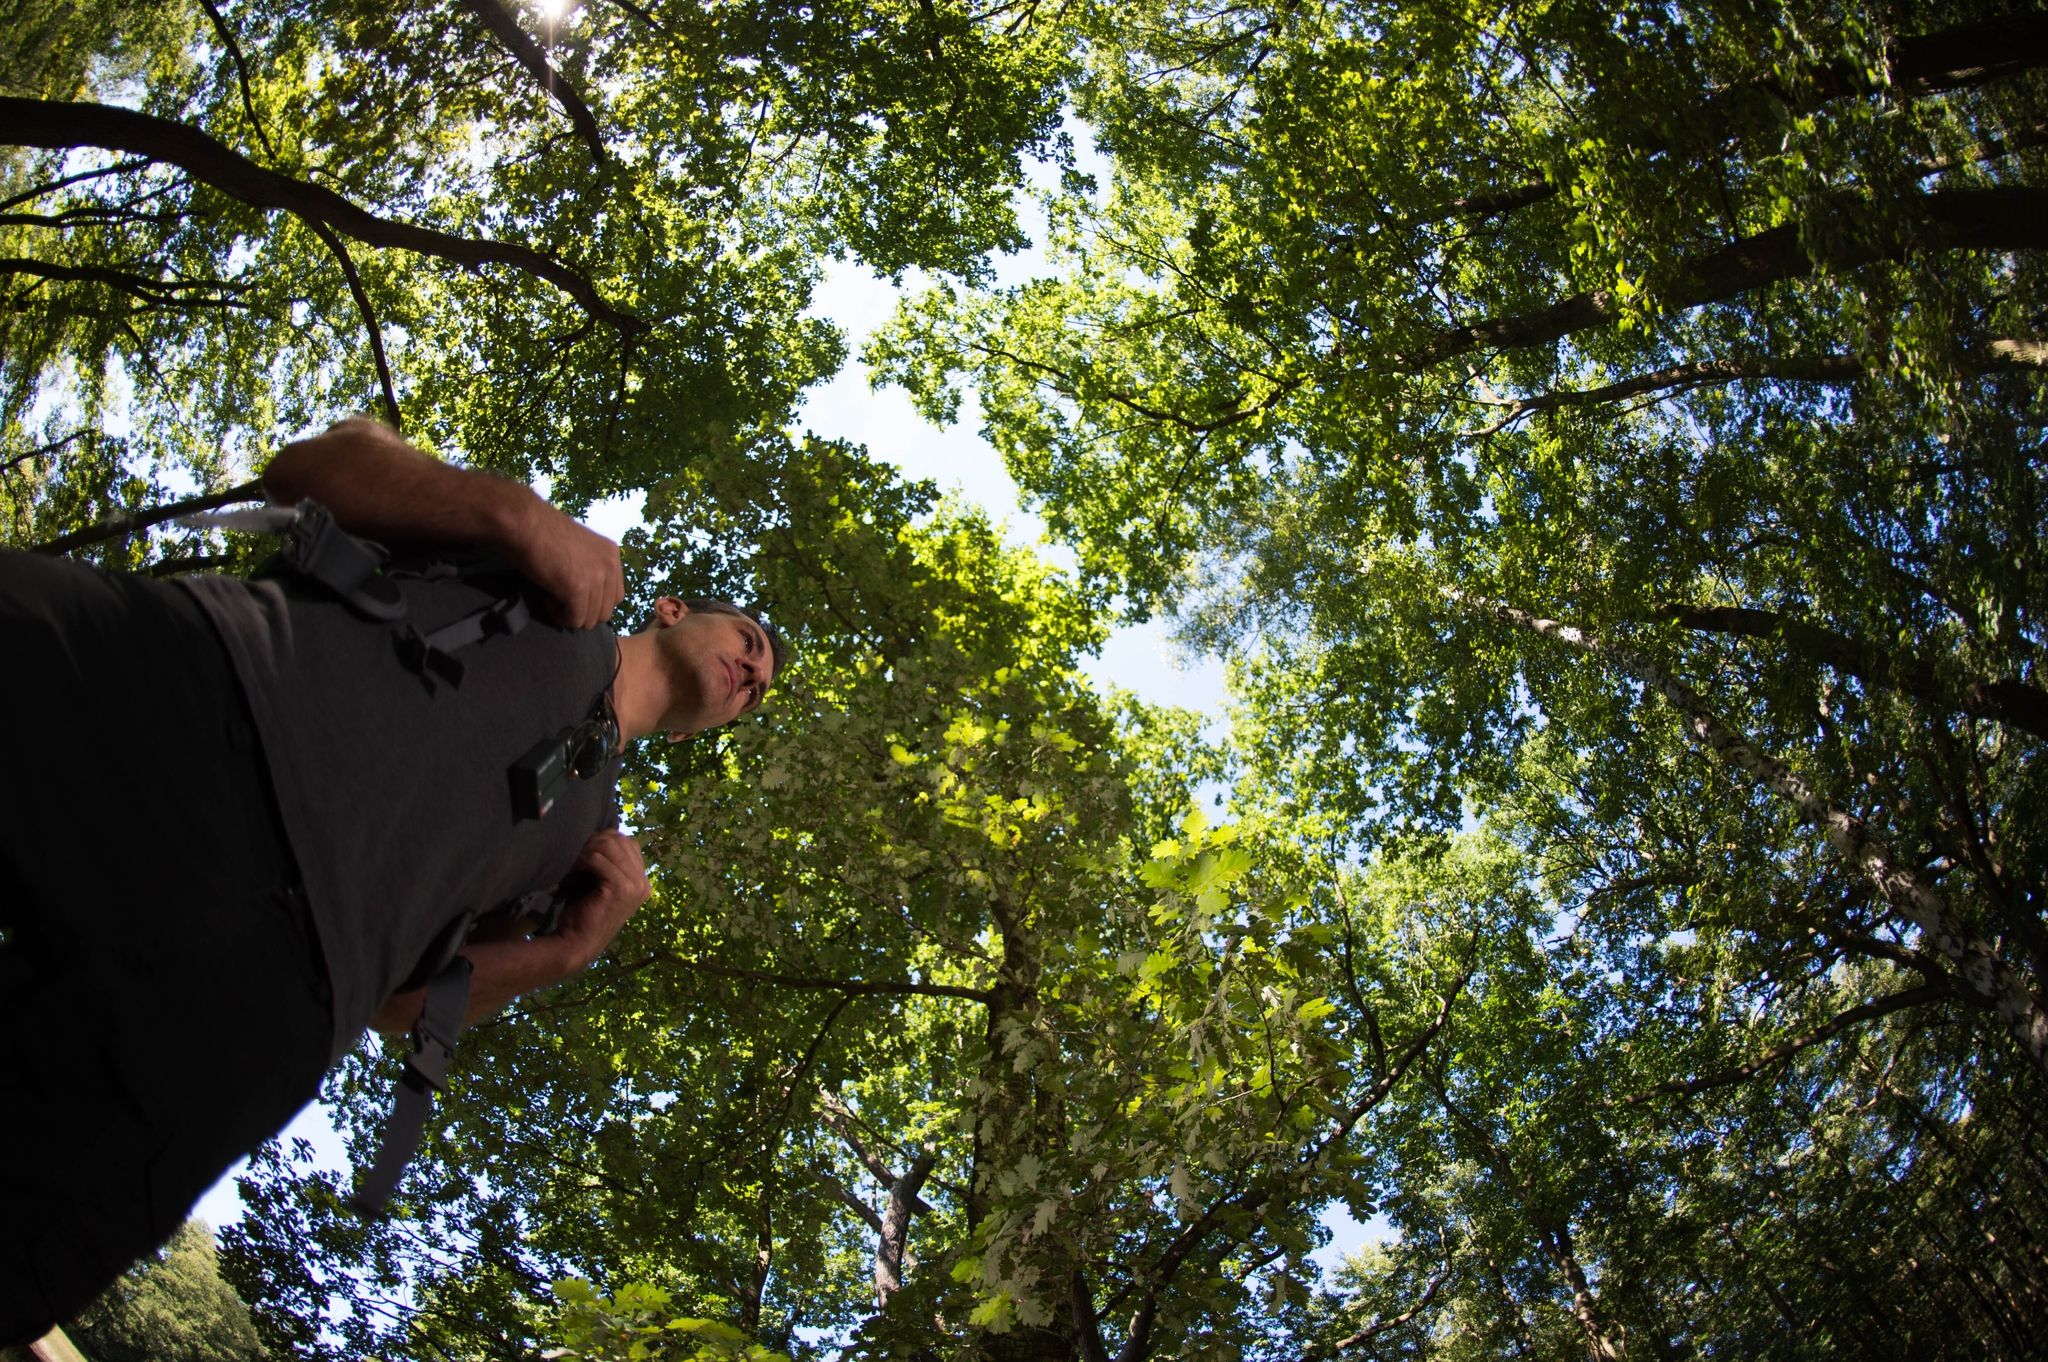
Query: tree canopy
{"points": [[1606, 441]]}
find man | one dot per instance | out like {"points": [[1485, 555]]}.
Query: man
{"points": [[242, 820]]}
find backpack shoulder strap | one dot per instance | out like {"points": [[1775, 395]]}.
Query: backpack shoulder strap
{"points": [[426, 1073]]}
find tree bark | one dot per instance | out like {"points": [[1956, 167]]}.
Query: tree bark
{"points": [[894, 1236], [61, 126]]}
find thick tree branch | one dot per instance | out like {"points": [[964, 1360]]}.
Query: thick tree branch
{"points": [[156, 292], [2017, 703], [120, 527], [504, 25], [1087, 1322], [853, 1203], [1949, 219], [893, 1239], [840, 1118], [60, 126], [1742, 1073], [369, 314]]}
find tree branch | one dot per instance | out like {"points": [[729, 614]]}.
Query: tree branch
{"points": [[1087, 1322], [2016, 703], [1138, 1341], [59, 126], [369, 314], [894, 1238], [234, 50], [156, 292], [852, 1202], [887, 988], [1392, 1322], [2006, 218], [1926, 64], [1999, 356], [16, 460], [1983, 977], [1741, 1073], [37, 191], [504, 25]]}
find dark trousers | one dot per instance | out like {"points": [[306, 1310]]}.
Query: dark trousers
{"points": [[163, 1006]]}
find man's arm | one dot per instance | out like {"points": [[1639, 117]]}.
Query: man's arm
{"points": [[504, 969], [380, 487]]}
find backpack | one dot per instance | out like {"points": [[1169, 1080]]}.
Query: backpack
{"points": [[365, 576]]}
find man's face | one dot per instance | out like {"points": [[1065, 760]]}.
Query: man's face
{"points": [[720, 666]]}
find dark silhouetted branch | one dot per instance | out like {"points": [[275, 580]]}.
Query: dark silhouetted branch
{"points": [[1777, 1054], [156, 292], [2017, 703], [1952, 219], [29, 455], [376, 332], [504, 25], [1998, 356], [59, 126], [886, 988], [234, 51]]}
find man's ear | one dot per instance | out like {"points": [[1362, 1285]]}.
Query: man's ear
{"points": [[667, 610]]}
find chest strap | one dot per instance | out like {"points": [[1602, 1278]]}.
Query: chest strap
{"points": [[426, 1073], [318, 548]]}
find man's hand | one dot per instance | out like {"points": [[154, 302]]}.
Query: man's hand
{"points": [[577, 567], [593, 918], [508, 963]]}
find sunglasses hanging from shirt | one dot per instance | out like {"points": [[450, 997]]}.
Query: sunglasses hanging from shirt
{"points": [[577, 753]]}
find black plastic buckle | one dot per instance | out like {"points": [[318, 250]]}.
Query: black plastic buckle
{"points": [[424, 660], [430, 1057]]}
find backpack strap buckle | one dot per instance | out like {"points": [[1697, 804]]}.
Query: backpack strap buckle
{"points": [[426, 1073]]}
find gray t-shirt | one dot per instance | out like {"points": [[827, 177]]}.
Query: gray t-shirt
{"points": [[397, 794]]}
